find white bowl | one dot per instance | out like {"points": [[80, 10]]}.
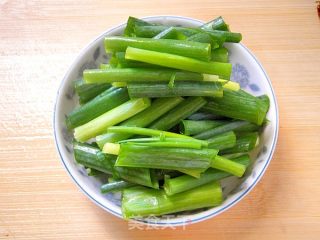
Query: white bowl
{"points": [[246, 70]]}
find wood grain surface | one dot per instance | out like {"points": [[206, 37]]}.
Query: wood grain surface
{"points": [[38, 42]]}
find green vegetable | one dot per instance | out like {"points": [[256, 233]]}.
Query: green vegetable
{"points": [[153, 90], [141, 176], [131, 23], [115, 185], [191, 127], [174, 144], [239, 105], [104, 102], [244, 143], [163, 135], [228, 166], [220, 163], [170, 33], [219, 36], [86, 92], [141, 75], [197, 50], [92, 157], [183, 183], [123, 63], [178, 142], [216, 24], [230, 126], [158, 108], [140, 201], [222, 141], [220, 55], [132, 155], [152, 31], [204, 38], [177, 114], [223, 70], [116, 115]]}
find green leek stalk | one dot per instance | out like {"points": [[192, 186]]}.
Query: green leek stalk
{"points": [[199, 116], [204, 38], [223, 70], [142, 75], [222, 141], [123, 63], [172, 144], [86, 92], [230, 126], [239, 105], [226, 165], [190, 127], [162, 135], [115, 186], [244, 143], [132, 155], [92, 157], [141, 201], [132, 22], [154, 90], [171, 33], [220, 163], [177, 114], [196, 50], [216, 24], [143, 119], [116, 115], [219, 36], [179, 142], [220, 55], [184, 183], [104, 102]]}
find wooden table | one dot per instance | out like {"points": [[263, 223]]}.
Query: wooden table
{"points": [[38, 42]]}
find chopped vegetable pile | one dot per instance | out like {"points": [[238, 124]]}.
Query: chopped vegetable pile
{"points": [[163, 121]]}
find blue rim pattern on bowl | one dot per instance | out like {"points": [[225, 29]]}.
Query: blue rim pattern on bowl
{"points": [[257, 179]]}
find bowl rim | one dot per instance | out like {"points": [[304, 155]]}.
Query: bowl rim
{"points": [[178, 223]]}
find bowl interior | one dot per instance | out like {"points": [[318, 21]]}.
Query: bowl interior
{"points": [[246, 70]]}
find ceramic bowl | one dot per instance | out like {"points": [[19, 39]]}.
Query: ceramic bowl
{"points": [[247, 71]]}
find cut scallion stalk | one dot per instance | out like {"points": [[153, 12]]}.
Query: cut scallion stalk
{"points": [[216, 24], [183, 183], [142, 75], [154, 90], [86, 92], [196, 50], [222, 141], [230, 126], [116, 115], [158, 108], [115, 186], [239, 105], [190, 127], [132, 155], [140, 201], [223, 70], [226, 165], [177, 114], [104, 102], [245, 143]]}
